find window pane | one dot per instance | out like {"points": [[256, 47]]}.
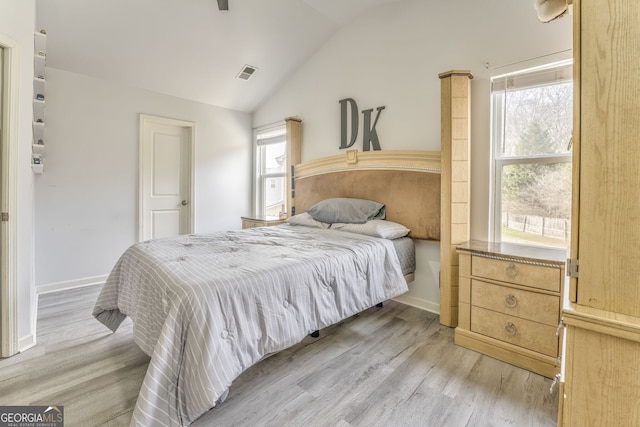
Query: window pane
{"points": [[274, 196], [275, 158], [536, 203], [537, 120]]}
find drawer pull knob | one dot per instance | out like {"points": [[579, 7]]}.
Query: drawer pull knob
{"points": [[510, 301], [511, 270], [510, 329]]}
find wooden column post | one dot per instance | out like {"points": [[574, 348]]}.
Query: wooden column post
{"points": [[294, 156], [455, 206]]}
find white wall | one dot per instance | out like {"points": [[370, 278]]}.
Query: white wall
{"points": [[17, 23], [392, 57], [87, 199]]}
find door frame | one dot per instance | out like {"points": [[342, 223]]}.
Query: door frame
{"points": [[8, 198], [146, 120]]}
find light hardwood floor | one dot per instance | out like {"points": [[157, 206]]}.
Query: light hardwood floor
{"points": [[390, 366]]}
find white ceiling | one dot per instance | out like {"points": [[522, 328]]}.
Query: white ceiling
{"points": [[189, 49]]}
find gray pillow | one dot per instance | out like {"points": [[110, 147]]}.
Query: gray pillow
{"points": [[352, 211], [306, 220]]}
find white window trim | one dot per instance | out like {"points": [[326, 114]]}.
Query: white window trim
{"points": [[259, 178], [10, 343], [498, 162]]}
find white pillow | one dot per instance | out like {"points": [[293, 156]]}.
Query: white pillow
{"points": [[376, 228], [306, 220]]}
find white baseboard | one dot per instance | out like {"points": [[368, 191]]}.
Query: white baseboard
{"points": [[28, 341], [69, 284], [420, 303], [25, 343]]}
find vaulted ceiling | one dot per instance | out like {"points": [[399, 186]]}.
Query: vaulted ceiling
{"points": [[190, 49]]}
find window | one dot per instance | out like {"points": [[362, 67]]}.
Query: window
{"points": [[532, 120], [271, 172]]}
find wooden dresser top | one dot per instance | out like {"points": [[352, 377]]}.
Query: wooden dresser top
{"points": [[511, 250]]}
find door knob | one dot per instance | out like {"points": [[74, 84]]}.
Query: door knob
{"points": [[184, 203]]}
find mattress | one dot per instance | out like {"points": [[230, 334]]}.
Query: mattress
{"points": [[406, 251], [207, 307]]}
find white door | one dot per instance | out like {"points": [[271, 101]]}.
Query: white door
{"points": [[166, 178]]}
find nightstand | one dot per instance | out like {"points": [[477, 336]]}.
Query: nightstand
{"points": [[257, 221], [509, 303]]}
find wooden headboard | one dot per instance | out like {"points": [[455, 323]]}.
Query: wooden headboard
{"points": [[407, 182]]}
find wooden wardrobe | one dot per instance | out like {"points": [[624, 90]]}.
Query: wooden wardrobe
{"points": [[602, 314]]}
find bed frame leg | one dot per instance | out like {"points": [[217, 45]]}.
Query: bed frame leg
{"points": [[315, 334], [379, 304]]}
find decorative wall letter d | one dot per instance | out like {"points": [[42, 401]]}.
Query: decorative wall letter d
{"points": [[354, 122]]}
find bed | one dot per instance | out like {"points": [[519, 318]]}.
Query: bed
{"points": [[207, 307]]}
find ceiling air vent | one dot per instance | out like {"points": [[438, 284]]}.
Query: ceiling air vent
{"points": [[246, 72]]}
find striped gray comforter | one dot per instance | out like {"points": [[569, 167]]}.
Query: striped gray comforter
{"points": [[207, 307]]}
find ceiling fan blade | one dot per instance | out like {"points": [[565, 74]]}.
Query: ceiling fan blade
{"points": [[223, 4]]}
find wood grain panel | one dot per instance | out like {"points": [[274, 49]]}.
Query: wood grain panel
{"points": [[464, 280], [459, 213], [459, 140], [459, 192], [516, 302], [464, 316], [455, 105], [609, 156], [294, 156], [534, 276], [531, 335], [601, 362], [525, 358], [465, 264]]}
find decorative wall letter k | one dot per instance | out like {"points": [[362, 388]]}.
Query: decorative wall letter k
{"points": [[370, 135]]}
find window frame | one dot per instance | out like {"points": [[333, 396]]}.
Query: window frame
{"points": [[279, 132], [498, 162]]}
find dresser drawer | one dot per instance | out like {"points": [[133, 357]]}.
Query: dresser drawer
{"points": [[516, 302], [535, 276], [515, 330]]}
